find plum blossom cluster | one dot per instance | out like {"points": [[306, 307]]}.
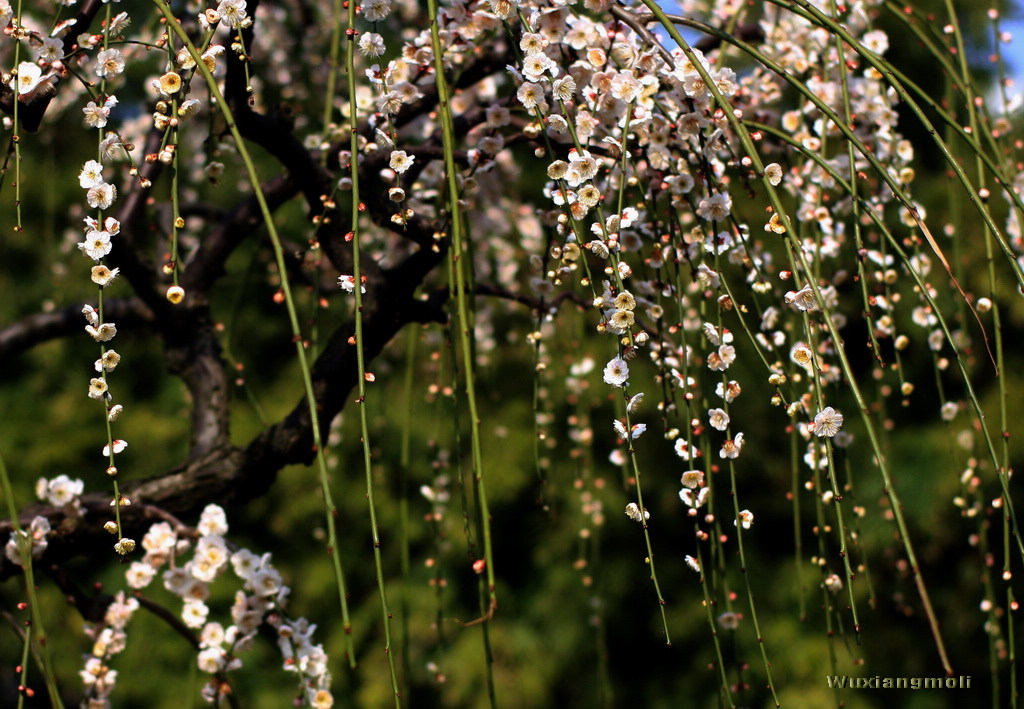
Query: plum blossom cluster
{"points": [[392, 88], [34, 537], [95, 177], [643, 207], [109, 639], [33, 79], [694, 493], [187, 565], [61, 491]]}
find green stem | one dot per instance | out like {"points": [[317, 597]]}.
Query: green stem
{"points": [[458, 255], [331, 508], [332, 74], [41, 652], [883, 465], [350, 69]]}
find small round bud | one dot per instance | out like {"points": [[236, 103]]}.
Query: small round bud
{"points": [[175, 294]]}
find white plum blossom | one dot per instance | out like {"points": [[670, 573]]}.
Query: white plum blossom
{"points": [[108, 362], [91, 174], [59, 491], [213, 521], [348, 284], [802, 299], [876, 41], [564, 89], [375, 10], [98, 388], [245, 564], [718, 419], [634, 513], [745, 519], [28, 78], [731, 448], [715, 208], [96, 245], [827, 423], [211, 659], [194, 613], [97, 114], [34, 536], [118, 447], [371, 44], [51, 50], [232, 13], [109, 62], [530, 94], [684, 451], [634, 432], [103, 332], [616, 372], [694, 498], [139, 574], [101, 195], [401, 161], [728, 390], [720, 360]]}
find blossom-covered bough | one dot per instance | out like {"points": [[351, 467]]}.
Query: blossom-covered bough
{"points": [[710, 229]]}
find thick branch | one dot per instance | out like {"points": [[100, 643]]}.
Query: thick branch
{"points": [[230, 475], [216, 470], [42, 327], [207, 264]]}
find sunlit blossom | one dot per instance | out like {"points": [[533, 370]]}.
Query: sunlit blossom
{"points": [[109, 62], [694, 497], [718, 419], [28, 78], [745, 519], [401, 161], [101, 196], [827, 422], [616, 372], [634, 513]]}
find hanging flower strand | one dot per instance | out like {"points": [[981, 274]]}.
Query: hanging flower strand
{"points": [[100, 231]]}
